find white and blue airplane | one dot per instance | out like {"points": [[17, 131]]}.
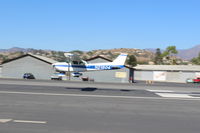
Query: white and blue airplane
{"points": [[79, 65]]}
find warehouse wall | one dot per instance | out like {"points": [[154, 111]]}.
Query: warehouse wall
{"points": [[143, 75], [177, 76], [27, 64], [109, 75], [186, 75]]}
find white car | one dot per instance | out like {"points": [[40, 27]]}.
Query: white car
{"points": [[57, 76], [189, 80], [76, 74]]}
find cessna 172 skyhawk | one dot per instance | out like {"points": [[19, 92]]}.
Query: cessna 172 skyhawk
{"points": [[75, 64]]}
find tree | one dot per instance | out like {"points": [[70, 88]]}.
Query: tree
{"points": [[196, 60], [132, 61], [169, 53], [158, 57]]}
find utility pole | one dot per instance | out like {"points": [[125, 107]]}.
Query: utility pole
{"points": [[69, 73], [68, 55]]}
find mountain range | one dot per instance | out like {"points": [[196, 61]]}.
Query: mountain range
{"points": [[142, 55], [190, 53]]}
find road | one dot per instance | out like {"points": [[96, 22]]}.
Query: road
{"points": [[71, 107]]}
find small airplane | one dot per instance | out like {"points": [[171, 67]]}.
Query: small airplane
{"points": [[76, 65]]}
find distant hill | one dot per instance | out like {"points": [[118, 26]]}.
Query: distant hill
{"points": [[190, 53], [14, 49], [143, 56]]}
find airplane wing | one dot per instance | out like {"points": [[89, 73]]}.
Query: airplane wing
{"points": [[73, 57]]}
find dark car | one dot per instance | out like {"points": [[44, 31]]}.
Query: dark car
{"points": [[28, 76]]}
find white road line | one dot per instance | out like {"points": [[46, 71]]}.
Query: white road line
{"points": [[33, 122], [5, 120], [175, 95], [160, 90], [98, 96], [73, 95]]}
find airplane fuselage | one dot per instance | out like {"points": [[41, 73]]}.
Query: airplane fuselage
{"points": [[82, 66], [65, 67]]}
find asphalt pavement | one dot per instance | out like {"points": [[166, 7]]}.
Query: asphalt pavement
{"points": [[28, 106]]}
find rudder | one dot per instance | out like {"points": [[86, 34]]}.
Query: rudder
{"points": [[120, 60]]}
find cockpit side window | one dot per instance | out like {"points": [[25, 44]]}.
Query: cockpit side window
{"points": [[78, 63], [75, 62]]}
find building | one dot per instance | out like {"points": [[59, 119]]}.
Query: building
{"points": [[166, 73], [39, 66]]}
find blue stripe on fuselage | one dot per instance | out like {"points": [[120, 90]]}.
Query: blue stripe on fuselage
{"points": [[77, 66]]}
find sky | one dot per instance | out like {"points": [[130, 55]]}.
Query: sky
{"points": [[66, 25]]}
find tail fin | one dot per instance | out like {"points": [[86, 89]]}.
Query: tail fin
{"points": [[120, 60]]}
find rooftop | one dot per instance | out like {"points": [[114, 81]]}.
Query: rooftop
{"points": [[42, 58], [168, 67]]}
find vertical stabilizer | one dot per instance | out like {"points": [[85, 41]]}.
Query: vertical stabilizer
{"points": [[120, 60]]}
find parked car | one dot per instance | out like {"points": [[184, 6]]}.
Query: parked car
{"points": [[57, 76], [189, 80], [196, 80], [76, 74], [28, 76]]}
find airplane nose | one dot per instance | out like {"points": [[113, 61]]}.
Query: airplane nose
{"points": [[54, 66]]}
